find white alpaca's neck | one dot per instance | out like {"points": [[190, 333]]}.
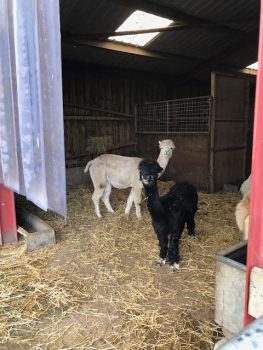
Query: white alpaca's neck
{"points": [[163, 160]]}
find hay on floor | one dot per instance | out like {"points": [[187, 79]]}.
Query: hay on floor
{"points": [[99, 288]]}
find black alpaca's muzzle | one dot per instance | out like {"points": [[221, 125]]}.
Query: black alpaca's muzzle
{"points": [[148, 179]]}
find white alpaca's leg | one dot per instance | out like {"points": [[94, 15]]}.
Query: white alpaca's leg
{"points": [[106, 197], [97, 195], [129, 202], [137, 202], [246, 228], [99, 181]]}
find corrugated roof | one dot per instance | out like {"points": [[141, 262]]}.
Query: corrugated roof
{"points": [[196, 44], [89, 16], [214, 10]]}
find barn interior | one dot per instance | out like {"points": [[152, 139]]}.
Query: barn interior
{"points": [[201, 53], [98, 287]]}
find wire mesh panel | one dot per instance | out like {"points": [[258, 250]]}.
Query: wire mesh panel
{"points": [[187, 115]]}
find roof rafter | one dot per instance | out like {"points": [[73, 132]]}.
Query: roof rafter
{"points": [[202, 64], [125, 48], [173, 27]]}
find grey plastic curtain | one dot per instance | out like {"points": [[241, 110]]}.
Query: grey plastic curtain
{"points": [[32, 159]]}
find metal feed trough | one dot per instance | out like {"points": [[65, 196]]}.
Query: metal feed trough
{"points": [[37, 233], [230, 288]]}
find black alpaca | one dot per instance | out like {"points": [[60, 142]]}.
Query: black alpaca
{"points": [[170, 212]]}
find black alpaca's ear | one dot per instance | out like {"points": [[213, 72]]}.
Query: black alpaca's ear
{"points": [[140, 166]]}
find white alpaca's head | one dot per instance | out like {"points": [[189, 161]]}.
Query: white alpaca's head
{"points": [[167, 147]]}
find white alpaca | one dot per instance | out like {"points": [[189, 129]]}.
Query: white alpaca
{"points": [[245, 187], [110, 170], [242, 215]]}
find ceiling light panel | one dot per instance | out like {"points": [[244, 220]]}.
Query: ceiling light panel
{"points": [[140, 20]]}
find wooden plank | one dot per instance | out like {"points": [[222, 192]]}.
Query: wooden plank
{"points": [[133, 50], [246, 117], [230, 135], [173, 27], [109, 150], [90, 108], [95, 118], [230, 130], [230, 149], [212, 137], [172, 133], [228, 167], [230, 120], [82, 146]]}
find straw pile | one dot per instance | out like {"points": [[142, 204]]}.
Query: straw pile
{"points": [[99, 288], [99, 144]]}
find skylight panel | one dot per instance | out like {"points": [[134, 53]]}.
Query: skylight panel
{"points": [[140, 20], [253, 65]]}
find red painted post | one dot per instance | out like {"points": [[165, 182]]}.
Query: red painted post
{"points": [[255, 241], [8, 229]]}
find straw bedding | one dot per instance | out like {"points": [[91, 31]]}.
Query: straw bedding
{"points": [[98, 287]]}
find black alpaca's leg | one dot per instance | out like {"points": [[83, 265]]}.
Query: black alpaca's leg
{"points": [[191, 225], [163, 243], [173, 251]]}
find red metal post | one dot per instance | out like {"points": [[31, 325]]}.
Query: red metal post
{"points": [[8, 229], [255, 242]]}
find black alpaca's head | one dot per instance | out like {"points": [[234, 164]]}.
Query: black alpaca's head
{"points": [[149, 171]]}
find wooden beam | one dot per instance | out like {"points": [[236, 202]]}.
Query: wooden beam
{"points": [[133, 50], [88, 154], [96, 118], [125, 48], [173, 27], [202, 64], [106, 111]]}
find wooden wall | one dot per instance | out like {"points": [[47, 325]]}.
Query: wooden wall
{"points": [[191, 89], [231, 153], [190, 159], [229, 129], [109, 89]]}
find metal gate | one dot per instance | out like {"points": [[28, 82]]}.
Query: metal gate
{"points": [[181, 116]]}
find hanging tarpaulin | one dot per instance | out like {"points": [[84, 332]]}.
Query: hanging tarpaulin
{"points": [[32, 159]]}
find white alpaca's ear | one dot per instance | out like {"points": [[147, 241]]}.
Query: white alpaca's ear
{"points": [[160, 143]]}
